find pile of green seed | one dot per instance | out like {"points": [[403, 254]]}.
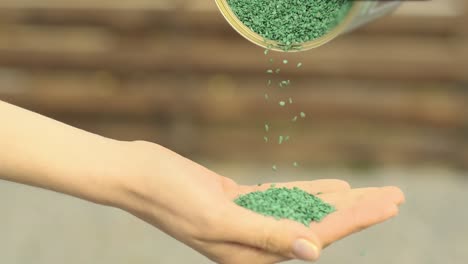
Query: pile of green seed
{"points": [[284, 203], [290, 21]]}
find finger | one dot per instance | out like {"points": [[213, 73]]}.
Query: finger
{"points": [[227, 252], [313, 187], [342, 200], [283, 237], [372, 209], [346, 199]]}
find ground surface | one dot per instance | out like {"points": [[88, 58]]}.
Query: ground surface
{"points": [[46, 228]]}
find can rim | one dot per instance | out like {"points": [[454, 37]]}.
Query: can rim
{"points": [[255, 38]]}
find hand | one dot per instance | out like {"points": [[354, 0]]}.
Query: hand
{"points": [[195, 206]]}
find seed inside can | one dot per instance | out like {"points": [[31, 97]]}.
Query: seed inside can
{"points": [[293, 25]]}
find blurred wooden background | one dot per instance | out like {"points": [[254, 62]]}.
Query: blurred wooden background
{"points": [[174, 72]]}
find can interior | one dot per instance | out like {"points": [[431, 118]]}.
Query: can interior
{"points": [[255, 38]]}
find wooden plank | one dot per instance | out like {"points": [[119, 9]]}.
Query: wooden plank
{"points": [[228, 99], [329, 143], [377, 57]]}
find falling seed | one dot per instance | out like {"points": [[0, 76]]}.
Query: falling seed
{"points": [[266, 52], [286, 138], [280, 84], [269, 71], [266, 97], [282, 103], [266, 139], [303, 115], [285, 83], [274, 168], [280, 140], [294, 119], [267, 127], [278, 70], [299, 64], [295, 164], [285, 61], [290, 100]]}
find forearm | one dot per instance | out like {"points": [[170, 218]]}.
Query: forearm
{"points": [[42, 152]]}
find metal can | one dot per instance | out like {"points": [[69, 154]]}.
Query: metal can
{"points": [[361, 13]]}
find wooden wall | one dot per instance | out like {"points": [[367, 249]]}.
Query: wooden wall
{"points": [[173, 72]]}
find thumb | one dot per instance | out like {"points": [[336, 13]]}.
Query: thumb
{"points": [[284, 237]]}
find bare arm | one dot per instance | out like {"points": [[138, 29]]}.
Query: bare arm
{"points": [[183, 199], [42, 152]]}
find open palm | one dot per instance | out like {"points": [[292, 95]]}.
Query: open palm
{"points": [[195, 206], [357, 209]]}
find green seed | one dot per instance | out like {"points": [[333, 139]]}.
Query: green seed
{"points": [[299, 64], [267, 128], [271, 60], [282, 103], [285, 61], [290, 22], [274, 168], [280, 140], [278, 70], [269, 83], [294, 119], [290, 100], [266, 52], [284, 203], [266, 97], [303, 115], [266, 139], [269, 71], [295, 164], [286, 138]]}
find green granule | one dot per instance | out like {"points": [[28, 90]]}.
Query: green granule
{"points": [[271, 60], [290, 100], [299, 65], [269, 83], [284, 203], [303, 115], [274, 168], [266, 51], [285, 61], [280, 140], [294, 119], [267, 97], [267, 128], [295, 164], [290, 21], [278, 70], [266, 139], [269, 71], [286, 138], [282, 103]]}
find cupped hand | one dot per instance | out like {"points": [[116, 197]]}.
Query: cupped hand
{"points": [[195, 206]]}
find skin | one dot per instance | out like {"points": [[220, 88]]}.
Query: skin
{"points": [[187, 201]]}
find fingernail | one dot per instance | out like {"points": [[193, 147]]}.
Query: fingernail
{"points": [[305, 250]]}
